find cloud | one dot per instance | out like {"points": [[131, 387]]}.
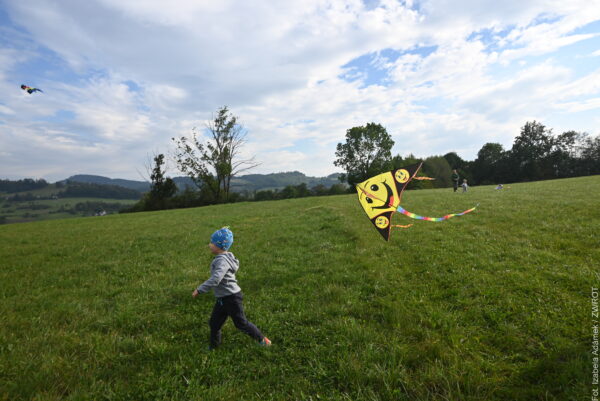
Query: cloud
{"points": [[125, 77]]}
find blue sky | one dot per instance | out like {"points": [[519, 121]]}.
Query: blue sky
{"points": [[121, 78]]}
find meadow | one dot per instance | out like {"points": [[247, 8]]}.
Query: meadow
{"points": [[494, 305]]}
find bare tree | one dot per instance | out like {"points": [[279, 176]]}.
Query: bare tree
{"points": [[213, 163]]}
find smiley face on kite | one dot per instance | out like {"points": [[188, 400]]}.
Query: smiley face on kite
{"points": [[402, 176], [382, 222], [378, 196]]}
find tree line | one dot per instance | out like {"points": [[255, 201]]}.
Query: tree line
{"points": [[27, 184], [88, 190], [164, 194], [211, 163], [536, 154]]}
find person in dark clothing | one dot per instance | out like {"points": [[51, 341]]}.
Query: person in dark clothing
{"points": [[227, 291], [455, 179]]}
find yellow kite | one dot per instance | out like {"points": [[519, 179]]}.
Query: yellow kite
{"points": [[380, 198]]}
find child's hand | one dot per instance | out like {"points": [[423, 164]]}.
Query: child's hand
{"points": [[195, 293]]}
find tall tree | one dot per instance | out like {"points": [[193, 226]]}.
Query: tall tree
{"points": [[530, 151], [438, 167], [590, 156], [485, 167], [162, 187], [367, 152], [213, 163], [463, 167], [454, 160]]}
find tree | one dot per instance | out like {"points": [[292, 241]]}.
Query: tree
{"points": [[530, 151], [454, 160], [337, 189], [302, 190], [290, 191], [367, 152], [161, 188], [264, 195], [485, 167], [213, 163], [320, 190], [590, 156], [437, 167]]}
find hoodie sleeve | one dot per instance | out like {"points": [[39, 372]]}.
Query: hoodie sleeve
{"points": [[218, 270]]}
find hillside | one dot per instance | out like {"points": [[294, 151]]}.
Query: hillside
{"points": [[250, 182], [141, 186], [61, 200], [494, 305]]}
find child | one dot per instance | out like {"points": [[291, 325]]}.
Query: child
{"points": [[464, 185], [226, 289]]}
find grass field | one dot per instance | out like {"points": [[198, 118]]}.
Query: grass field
{"points": [[495, 305]]}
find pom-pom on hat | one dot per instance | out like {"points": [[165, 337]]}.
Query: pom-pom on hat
{"points": [[223, 238]]}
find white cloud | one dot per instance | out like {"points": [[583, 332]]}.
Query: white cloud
{"points": [[146, 72], [6, 110]]}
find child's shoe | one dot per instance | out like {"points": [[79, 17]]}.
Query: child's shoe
{"points": [[265, 342]]}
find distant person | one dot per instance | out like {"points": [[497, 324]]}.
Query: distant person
{"points": [[455, 178], [499, 186], [228, 293], [465, 187]]}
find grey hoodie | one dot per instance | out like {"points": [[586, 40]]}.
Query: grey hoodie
{"points": [[222, 276]]}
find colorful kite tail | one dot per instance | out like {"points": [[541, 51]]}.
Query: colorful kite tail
{"points": [[436, 219]]}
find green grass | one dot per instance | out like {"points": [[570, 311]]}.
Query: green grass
{"points": [[494, 305]]}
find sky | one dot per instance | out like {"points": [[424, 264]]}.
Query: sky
{"points": [[121, 78]]}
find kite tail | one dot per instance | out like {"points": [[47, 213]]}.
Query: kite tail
{"points": [[436, 219]]}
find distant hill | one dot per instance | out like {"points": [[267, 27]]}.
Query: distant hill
{"points": [[141, 186], [250, 182], [256, 182]]}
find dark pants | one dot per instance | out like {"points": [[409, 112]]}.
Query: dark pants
{"points": [[230, 306], [455, 185]]}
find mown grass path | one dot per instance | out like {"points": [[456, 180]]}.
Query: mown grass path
{"points": [[494, 305]]}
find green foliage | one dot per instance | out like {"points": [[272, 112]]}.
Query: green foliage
{"points": [[212, 164], [530, 150], [491, 306], [367, 152], [26, 184], [486, 166], [437, 167], [161, 189], [85, 190], [536, 154], [261, 182]]}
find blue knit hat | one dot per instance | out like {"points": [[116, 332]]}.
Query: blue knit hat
{"points": [[223, 238]]}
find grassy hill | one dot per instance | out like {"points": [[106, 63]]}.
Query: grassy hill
{"points": [[249, 182], [494, 305], [46, 205]]}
